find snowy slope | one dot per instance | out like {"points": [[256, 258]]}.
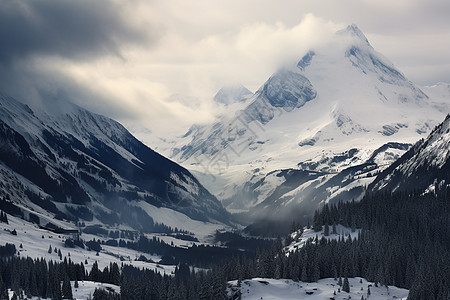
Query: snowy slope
{"points": [[425, 167], [84, 291], [439, 95], [64, 161], [36, 242], [283, 289], [299, 239], [341, 106]]}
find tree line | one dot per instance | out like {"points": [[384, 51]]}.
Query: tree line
{"points": [[403, 241]]}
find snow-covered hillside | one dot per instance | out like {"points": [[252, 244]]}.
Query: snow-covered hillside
{"points": [[283, 289], [299, 238], [66, 163], [36, 242], [424, 168], [342, 113]]}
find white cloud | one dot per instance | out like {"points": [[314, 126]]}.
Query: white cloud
{"points": [[198, 46], [145, 81]]}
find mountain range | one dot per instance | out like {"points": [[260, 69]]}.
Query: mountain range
{"points": [[342, 123], [70, 164], [318, 130]]}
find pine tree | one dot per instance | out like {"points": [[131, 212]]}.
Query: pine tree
{"points": [[3, 289], [277, 273], [94, 275], [317, 221], [15, 276], [3, 217], [50, 249], [218, 286], [304, 275], [57, 294], [33, 280], [316, 269], [66, 288], [346, 285], [326, 230], [335, 272], [114, 274]]}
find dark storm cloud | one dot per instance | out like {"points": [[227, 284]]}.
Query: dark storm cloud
{"points": [[33, 33], [77, 29]]}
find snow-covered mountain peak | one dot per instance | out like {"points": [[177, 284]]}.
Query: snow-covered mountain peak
{"points": [[342, 105], [306, 60], [232, 93], [354, 32], [288, 90]]}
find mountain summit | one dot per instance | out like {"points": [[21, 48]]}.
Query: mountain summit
{"points": [[341, 105], [354, 31], [231, 94]]}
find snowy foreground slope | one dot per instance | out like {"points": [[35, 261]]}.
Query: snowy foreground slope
{"points": [[317, 130], [282, 289], [84, 291]]}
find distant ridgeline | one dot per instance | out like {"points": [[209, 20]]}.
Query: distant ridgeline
{"points": [[86, 167]]}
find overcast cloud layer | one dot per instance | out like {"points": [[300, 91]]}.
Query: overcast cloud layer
{"points": [[157, 64]]}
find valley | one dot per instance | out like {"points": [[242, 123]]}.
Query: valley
{"points": [[331, 180]]}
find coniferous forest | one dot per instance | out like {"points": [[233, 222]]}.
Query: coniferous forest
{"points": [[403, 241]]}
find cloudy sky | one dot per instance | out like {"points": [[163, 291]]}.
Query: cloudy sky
{"points": [[157, 64]]}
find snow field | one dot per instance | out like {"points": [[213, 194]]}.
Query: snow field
{"points": [[300, 240], [34, 246], [283, 289], [84, 291]]}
